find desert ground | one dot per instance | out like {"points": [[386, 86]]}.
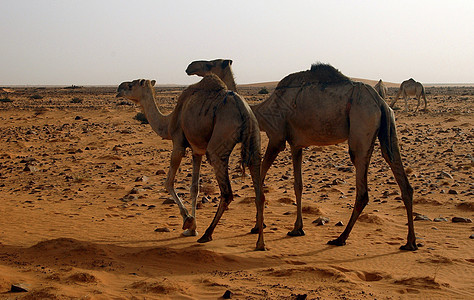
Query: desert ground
{"points": [[84, 213]]}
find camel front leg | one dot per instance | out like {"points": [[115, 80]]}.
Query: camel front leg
{"points": [[296, 155], [176, 156], [197, 159], [418, 105]]}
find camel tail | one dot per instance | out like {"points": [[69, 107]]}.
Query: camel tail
{"points": [[387, 131], [249, 135]]}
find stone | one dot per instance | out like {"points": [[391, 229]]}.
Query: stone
{"points": [[452, 192], [162, 229], [339, 223], [422, 218], [30, 168], [440, 219], [227, 295], [19, 288], [168, 201], [461, 220], [321, 221], [141, 179]]}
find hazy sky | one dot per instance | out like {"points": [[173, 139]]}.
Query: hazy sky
{"points": [[106, 42]]}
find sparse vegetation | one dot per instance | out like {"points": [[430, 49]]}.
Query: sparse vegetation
{"points": [[141, 117], [76, 100], [36, 96], [263, 91]]}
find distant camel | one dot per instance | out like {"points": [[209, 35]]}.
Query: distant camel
{"points": [[210, 120], [408, 88], [381, 89], [321, 106]]}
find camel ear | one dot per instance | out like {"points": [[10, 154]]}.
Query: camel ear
{"points": [[142, 82], [226, 63], [153, 82]]}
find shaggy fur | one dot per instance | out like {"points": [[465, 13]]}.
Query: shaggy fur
{"points": [[322, 74]]}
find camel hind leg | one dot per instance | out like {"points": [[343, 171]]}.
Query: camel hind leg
{"points": [[218, 152], [254, 168], [360, 150], [297, 154], [406, 190]]}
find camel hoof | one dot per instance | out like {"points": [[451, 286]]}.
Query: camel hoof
{"points": [[189, 223], [409, 247], [190, 232], [204, 239], [255, 229], [260, 248], [296, 232], [336, 242]]}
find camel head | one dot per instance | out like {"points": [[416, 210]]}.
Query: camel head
{"points": [[135, 90], [206, 67]]}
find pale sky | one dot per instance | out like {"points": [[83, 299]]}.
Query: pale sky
{"points": [[105, 42]]}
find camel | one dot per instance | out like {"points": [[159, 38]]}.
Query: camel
{"points": [[210, 120], [381, 89], [321, 106], [408, 88]]}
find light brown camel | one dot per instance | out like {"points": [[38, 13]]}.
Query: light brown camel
{"points": [[409, 88], [210, 120], [321, 106], [381, 89]]}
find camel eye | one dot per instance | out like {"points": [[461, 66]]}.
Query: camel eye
{"points": [[130, 86]]}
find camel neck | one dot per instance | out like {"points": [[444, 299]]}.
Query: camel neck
{"points": [[229, 80], [158, 122]]}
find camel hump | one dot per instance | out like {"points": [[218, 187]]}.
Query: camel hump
{"points": [[319, 73], [209, 82]]}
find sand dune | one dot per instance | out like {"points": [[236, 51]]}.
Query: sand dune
{"points": [[71, 227]]}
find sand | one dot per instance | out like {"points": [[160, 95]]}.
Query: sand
{"points": [[81, 193]]}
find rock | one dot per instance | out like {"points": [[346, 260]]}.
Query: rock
{"points": [[440, 219], [444, 174], [420, 245], [168, 201], [461, 220], [141, 179], [339, 223], [204, 200], [452, 192], [19, 288], [215, 200], [301, 297], [136, 190], [321, 221], [151, 206], [227, 295], [472, 236], [162, 229], [77, 118], [422, 218], [129, 197], [30, 168]]}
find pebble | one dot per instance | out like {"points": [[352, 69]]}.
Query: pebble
{"points": [[452, 192], [30, 168], [444, 174], [461, 220], [227, 295], [472, 236], [168, 201], [321, 221], [160, 172], [19, 288], [204, 200], [129, 197], [339, 223], [422, 218], [439, 219], [162, 229], [141, 179]]}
